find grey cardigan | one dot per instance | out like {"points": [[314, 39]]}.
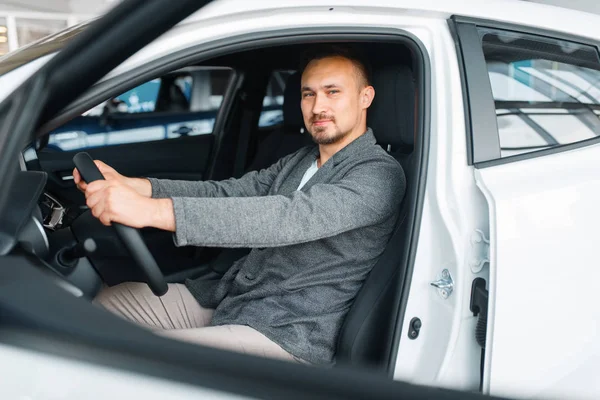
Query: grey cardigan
{"points": [[312, 248]]}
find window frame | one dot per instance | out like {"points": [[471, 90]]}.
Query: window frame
{"points": [[483, 139]]}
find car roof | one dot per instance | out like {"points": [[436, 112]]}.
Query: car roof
{"points": [[519, 12], [523, 12]]}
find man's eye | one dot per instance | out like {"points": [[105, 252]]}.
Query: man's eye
{"points": [[333, 91], [306, 95]]}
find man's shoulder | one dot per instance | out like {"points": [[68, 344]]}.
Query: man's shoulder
{"points": [[376, 164]]}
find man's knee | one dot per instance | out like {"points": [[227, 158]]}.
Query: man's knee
{"points": [[108, 294], [177, 309]]}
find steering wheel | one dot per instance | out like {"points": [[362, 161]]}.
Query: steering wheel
{"points": [[130, 237]]}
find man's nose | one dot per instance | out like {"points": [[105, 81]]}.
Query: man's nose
{"points": [[320, 104]]}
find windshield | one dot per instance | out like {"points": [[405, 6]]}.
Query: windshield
{"points": [[40, 48]]}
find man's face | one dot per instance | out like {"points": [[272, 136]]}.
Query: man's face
{"points": [[331, 99]]}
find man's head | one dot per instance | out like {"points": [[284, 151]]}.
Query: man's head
{"points": [[336, 92]]}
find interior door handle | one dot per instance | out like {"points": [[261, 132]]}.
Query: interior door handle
{"points": [[65, 177]]}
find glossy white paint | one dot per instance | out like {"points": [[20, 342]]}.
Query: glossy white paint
{"points": [[188, 35], [13, 79], [28, 375], [544, 317], [445, 354], [514, 11]]}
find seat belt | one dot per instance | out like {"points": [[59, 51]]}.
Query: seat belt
{"points": [[243, 139]]}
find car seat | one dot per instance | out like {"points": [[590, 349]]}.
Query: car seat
{"points": [[367, 333]]}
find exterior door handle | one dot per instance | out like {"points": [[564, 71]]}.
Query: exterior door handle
{"points": [[183, 130]]}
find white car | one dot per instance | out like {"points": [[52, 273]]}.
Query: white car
{"points": [[487, 286]]}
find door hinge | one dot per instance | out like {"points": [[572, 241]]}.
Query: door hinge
{"points": [[479, 253], [479, 308]]}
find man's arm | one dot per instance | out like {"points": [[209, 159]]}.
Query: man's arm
{"points": [[129, 201], [367, 195], [254, 183]]}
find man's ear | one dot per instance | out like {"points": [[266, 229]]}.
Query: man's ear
{"points": [[366, 96]]}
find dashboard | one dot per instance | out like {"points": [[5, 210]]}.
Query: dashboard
{"points": [[20, 219], [30, 221]]}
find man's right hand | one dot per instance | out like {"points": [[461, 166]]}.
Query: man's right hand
{"points": [[140, 185]]}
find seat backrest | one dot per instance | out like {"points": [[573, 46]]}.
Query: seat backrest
{"points": [[367, 333], [278, 144], [293, 121], [291, 137]]}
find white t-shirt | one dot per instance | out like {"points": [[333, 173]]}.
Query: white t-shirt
{"points": [[308, 174]]}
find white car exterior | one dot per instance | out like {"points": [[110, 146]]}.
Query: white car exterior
{"points": [[539, 215]]}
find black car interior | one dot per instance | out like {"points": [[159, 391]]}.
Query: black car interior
{"points": [[367, 335]]}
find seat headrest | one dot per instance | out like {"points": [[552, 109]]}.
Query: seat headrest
{"points": [[292, 114], [392, 113]]}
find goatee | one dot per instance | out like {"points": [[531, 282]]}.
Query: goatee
{"points": [[324, 139]]}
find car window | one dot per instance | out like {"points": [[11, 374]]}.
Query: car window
{"points": [[182, 103], [546, 91], [272, 110]]}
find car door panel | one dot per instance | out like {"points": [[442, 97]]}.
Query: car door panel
{"points": [[536, 162], [543, 317], [184, 158]]}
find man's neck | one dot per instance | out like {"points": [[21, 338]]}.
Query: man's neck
{"points": [[326, 151]]}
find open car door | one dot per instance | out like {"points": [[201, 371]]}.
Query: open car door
{"points": [[543, 314], [536, 152]]}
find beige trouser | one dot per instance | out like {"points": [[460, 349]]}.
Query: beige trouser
{"points": [[179, 316]]}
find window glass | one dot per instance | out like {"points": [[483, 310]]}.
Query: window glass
{"points": [[272, 111], [182, 103], [546, 91], [31, 30], [3, 37]]}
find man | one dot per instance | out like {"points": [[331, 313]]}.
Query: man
{"points": [[317, 221]]}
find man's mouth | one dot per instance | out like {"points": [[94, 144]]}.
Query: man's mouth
{"points": [[321, 122]]}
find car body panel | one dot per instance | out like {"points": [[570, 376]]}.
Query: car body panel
{"points": [[544, 219], [512, 11], [56, 377], [10, 81], [453, 210]]}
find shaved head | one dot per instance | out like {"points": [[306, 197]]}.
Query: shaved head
{"points": [[362, 69]]}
